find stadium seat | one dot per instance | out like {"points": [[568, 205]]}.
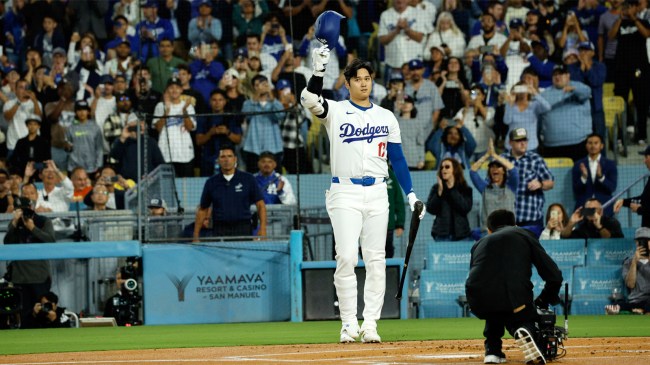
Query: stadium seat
{"points": [[592, 288], [608, 251], [608, 89], [569, 252], [448, 255], [538, 284], [429, 161], [558, 162], [615, 121], [439, 292]]}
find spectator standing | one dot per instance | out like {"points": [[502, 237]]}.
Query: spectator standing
{"points": [[7, 198], [16, 111], [607, 45], [424, 93], [50, 38], [103, 105], [524, 107], [60, 115], [25, 227], [196, 99], [115, 122], [89, 17], [163, 67], [179, 13], [566, 126], [231, 215], [31, 148], [174, 127], [413, 129], [452, 87], [588, 13], [81, 44], [490, 40], [254, 46], [571, 34], [540, 63], [151, 30], [292, 127], [588, 221], [247, 19], [276, 188], [450, 200], [534, 179], [594, 176], [143, 98], [125, 151], [204, 27], [639, 204], [478, 118], [215, 130], [206, 70], [453, 141], [632, 70], [447, 36], [121, 26], [401, 33], [263, 132], [556, 220], [86, 140], [499, 188], [636, 274], [52, 198], [274, 38], [593, 74]]}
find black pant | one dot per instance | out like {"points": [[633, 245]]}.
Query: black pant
{"points": [[30, 295], [183, 169], [638, 85], [496, 324], [574, 151], [390, 248], [230, 229], [293, 164]]}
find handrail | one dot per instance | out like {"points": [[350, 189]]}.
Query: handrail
{"points": [[626, 189]]}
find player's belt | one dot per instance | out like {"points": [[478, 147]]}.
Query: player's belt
{"points": [[364, 181]]}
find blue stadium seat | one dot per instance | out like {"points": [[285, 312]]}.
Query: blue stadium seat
{"points": [[448, 255], [439, 292], [570, 252], [592, 288], [538, 284], [609, 251], [628, 232]]}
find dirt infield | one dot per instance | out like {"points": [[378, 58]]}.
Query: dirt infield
{"points": [[618, 351]]}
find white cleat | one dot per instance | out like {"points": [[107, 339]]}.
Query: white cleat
{"points": [[494, 359], [525, 341], [370, 336], [349, 333]]}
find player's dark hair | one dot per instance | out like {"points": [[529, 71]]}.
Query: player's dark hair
{"points": [[51, 297], [500, 218], [353, 67], [595, 135]]}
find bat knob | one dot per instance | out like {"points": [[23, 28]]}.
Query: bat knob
{"points": [[418, 206]]}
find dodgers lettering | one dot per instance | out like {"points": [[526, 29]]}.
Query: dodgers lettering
{"points": [[367, 133]]}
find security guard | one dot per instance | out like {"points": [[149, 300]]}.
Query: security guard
{"points": [[499, 289], [231, 193]]}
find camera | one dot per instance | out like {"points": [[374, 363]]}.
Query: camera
{"points": [[521, 89], [132, 128], [645, 247], [588, 212], [473, 94], [551, 337], [451, 84], [485, 49], [47, 307]]}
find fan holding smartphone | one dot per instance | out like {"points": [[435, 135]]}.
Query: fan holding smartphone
{"points": [[589, 222], [556, 220]]}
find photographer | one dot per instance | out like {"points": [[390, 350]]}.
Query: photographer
{"points": [[124, 306], [589, 222], [33, 276], [508, 302], [636, 273], [46, 313]]}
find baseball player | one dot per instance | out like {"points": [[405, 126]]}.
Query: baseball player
{"points": [[363, 136]]}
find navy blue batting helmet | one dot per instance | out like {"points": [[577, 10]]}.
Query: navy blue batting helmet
{"points": [[328, 28]]}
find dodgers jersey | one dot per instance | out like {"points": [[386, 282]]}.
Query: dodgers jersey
{"points": [[359, 138]]}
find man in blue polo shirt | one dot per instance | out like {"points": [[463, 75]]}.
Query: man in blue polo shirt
{"points": [[230, 193]]}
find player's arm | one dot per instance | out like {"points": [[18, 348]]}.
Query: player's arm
{"points": [[397, 159], [311, 97]]}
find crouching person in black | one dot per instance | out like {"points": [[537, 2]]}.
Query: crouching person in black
{"points": [[31, 276], [499, 289], [46, 313]]}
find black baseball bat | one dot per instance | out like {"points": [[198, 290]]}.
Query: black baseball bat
{"points": [[413, 232]]}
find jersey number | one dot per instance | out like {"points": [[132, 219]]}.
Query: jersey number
{"points": [[381, 149]]}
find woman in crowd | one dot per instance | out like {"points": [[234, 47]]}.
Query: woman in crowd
{"points": [[450, 200], [447, 36], [498, 189], [556, 220], [524, 106], [452, 86], [84, 44], [453, 141], [478, 118], [411, 126]]}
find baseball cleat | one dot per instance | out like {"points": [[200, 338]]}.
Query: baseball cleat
{"points": [[370, 336], [525, 341], [495, 359], [612, 309], [349, 333]]}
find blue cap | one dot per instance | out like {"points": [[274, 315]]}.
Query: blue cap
{"points": [[242, 52], [150, 4], [9, 68], [586, 45], [540, 43], [106, 79], [205, 2], [560, 68], [282, 84], [516, 22], [415, 64], [396, 76]]}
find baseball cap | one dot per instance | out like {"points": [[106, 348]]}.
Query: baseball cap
{"points": [[81, 104], [516, 22], [268, 154], [518, 134], [150, 4], [205, 2], [157, 203], [59, 50], [122, 97], [439, 48], [174, 81], [125, 41], [106, 79], [415, 64], [33, 118], [409, 99], [11, 67], [560, 68], [495, 163], [569, 52], [233, 73], [586, 45], [242, 52], [282, 84], [542, 43], [254, 54], [642, 232], [396, 76]]}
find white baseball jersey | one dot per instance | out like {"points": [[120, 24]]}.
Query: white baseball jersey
{"points": [[359, 138], [180, 140], [402, 48]]}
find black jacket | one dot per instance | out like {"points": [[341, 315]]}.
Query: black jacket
{"points": [[500, 272], [451, 210], [644, 200], [126, 154]]}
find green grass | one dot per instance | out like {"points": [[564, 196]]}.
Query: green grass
{"points": [[277, 333]]}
